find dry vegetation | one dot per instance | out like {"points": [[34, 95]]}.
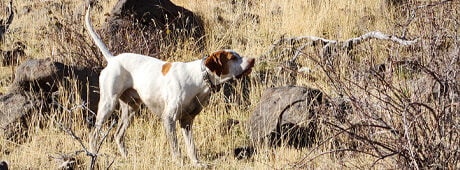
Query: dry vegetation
{"points": [[405, 115]]}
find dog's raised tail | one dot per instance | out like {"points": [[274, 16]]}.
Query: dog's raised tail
{"points": [[89, 26]]}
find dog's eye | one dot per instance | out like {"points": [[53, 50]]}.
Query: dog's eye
{"points": [[234, 57]]}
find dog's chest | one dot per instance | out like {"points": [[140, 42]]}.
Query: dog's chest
{"points": [[194, 105]]}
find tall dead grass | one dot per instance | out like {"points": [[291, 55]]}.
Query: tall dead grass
{"points": [[403, 117]]}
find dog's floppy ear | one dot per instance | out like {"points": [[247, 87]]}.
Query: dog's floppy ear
{"points": [[216, 62]]}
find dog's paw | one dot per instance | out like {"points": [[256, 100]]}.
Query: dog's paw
{"points": [[200, 165], [179, 162]]}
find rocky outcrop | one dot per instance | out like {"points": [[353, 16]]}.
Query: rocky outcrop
{"points": [[286, 116], [36, 75], [15, 111], [3, 165], [36, 83], [143, 26]]}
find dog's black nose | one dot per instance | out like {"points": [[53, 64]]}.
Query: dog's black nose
{"points": [[251, 62]]}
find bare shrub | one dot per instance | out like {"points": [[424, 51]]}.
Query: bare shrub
{"points": [[73, 45], [405, 99]]}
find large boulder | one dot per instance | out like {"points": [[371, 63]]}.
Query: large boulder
{"points": [[34, 86], [286, 116], [140, 26], [45, 76], [3, 165], [37, 75], [16, 110]]}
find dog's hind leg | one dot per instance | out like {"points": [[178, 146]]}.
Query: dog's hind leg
{"points": [[110, 91], [106, 107], [127, 113]]}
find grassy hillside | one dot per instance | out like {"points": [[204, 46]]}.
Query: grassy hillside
{"points": [[43, 26]]}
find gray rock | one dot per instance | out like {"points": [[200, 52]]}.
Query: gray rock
{"points": [[142, 26], [31, 93], [45, 75], [36, 75], [285, 115], [16, 110], [3, 165]]}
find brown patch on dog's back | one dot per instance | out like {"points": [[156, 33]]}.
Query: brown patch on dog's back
{"points": [[217, 62], [165, 68]]}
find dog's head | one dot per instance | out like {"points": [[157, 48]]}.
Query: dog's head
{"points": [[228, 64]]}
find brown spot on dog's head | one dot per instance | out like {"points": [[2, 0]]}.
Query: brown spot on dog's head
{"points": [[217, 62], [165, 68]]}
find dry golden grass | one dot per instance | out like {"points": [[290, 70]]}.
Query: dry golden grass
{"points": [[145, 138]]}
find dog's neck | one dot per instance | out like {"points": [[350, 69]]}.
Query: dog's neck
{"points": [[212, 81], [213, 86], [205, 78]]}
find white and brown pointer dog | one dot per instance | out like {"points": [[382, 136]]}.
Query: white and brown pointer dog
{"points": [[174, 91]]}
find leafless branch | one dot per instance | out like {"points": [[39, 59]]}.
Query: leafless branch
{"points": [[328, 45], [413, 14], [105, 135], [272, 47], [299, 51], [383, 157], [363, 138], [111, 163], [316, 148], [70, 132], [382, 102], [74, 136]]}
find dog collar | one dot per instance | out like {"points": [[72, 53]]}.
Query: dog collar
{"points": [[207, 79]]}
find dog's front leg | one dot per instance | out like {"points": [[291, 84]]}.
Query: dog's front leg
{"points": [[186, 126], [170, 128]]}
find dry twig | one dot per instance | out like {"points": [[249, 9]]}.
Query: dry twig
{"points": [[328, 45], [413, 14], [70, 132]]}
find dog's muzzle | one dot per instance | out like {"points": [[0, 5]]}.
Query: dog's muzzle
{"points": [[248, 69]]}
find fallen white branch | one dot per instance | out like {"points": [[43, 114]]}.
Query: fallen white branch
{"points": [[328, 45], [380, 36]]}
